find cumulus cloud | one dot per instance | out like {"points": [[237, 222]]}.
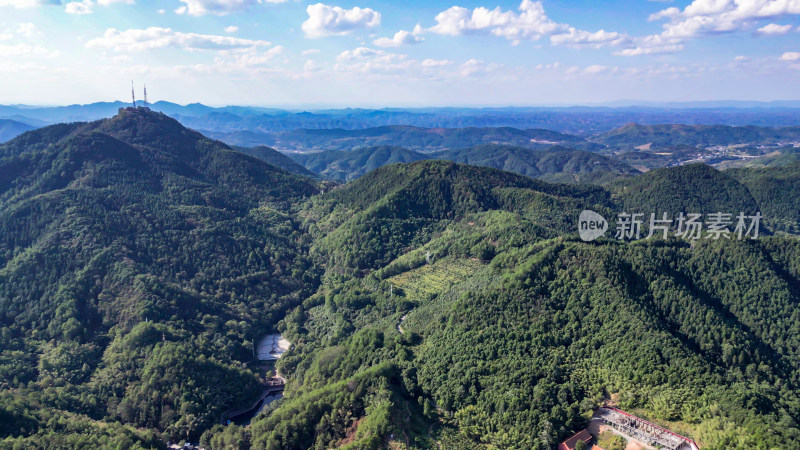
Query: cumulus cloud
{"points": [[708, 17], [790, 56], [155, 37], [231, 29], [324, 20], [580, 38], [218, 7], [82, 7], [530, 23], [774, 29], [720, 16], [401, 38]]}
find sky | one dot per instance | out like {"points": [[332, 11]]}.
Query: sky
{"points": [[373, 53]]}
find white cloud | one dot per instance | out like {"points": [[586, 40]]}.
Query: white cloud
{"points": [[401, 38], [324, 20], [80, 8], [28, 29], [651, 45], [218, 7], [161, 11], [20, 4], [254, 58], [707, 17], [154, 37], [25, 50], [720, 16], [741, 58], [530, 23], [774, 29], [111, 2], [580, 38], [790, 56], [365, 60], [310, 51], [595, 69], [474, 67], [231, 29]]}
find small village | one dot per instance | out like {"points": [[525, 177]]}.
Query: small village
{"points": [[613, 429]]}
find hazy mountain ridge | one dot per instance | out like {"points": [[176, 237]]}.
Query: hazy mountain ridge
{"points": [[575, 119], [10, 129]]}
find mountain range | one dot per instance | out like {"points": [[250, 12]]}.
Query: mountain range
{"points": [[582, 120], [429, 303], [552, 164]]}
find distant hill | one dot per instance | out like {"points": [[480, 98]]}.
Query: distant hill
{"points": [[10, 129], [344, 166], [417, 139], [633, 135], [242, 138], [557, 164], [277, 159]]}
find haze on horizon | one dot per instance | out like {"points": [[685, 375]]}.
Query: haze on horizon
{"points": [[378, 53]]}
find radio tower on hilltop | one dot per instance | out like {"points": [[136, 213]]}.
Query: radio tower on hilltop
{"points": [[145, 96], [133, 95]]}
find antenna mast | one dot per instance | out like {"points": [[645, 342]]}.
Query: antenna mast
{"points": [[133, 96], [145, 95]]}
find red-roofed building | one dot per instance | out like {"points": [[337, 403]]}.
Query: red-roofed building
{"points": [[570, 443]]}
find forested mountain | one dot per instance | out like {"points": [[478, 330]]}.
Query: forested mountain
{"points": [[457, 295], [277, 159], [429, 304], [556, 164], [416, 138], [137, 259], [633, 135], [775, 189], [10, 129], [343, 166]]}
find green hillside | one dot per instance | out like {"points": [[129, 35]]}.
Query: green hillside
{"points": [[137, 260], [775, 189], [342, 166], [512, 331], [277, 159], [555, 164]]}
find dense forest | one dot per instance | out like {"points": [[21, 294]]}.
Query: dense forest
{"points": [[430, 304]]}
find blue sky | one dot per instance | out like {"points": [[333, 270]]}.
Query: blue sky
{"points": [[412, 53]]}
